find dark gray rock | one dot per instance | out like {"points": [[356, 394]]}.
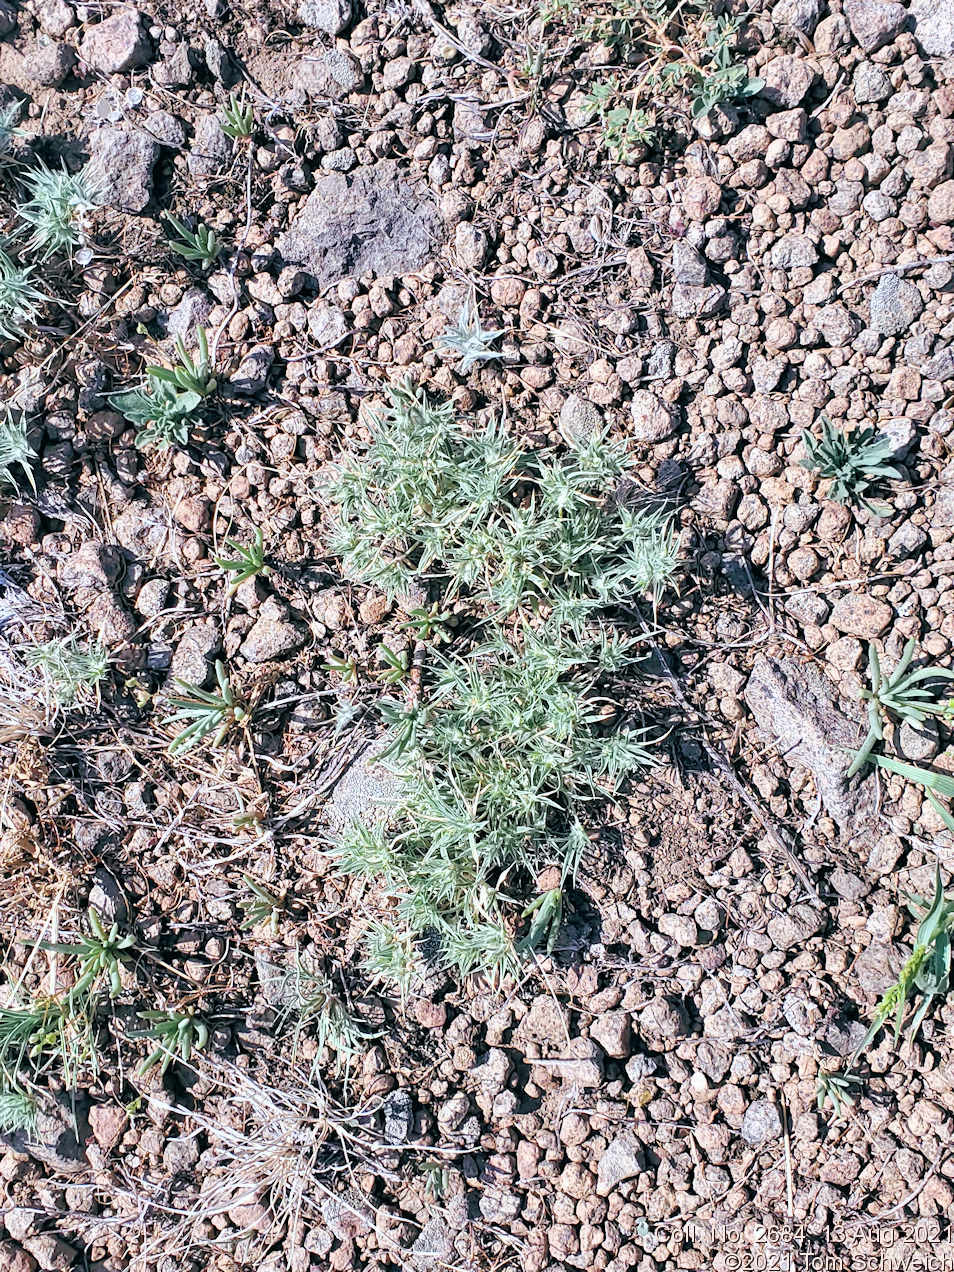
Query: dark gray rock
{"points": [[121, 163], [398, 1116], [793, 704], [211, 150], [371, 222]]}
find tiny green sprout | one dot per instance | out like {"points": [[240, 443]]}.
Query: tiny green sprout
{"points": [[469, 340], [852, 461], [98, 956], [397, 665], [547, 910], [20, 299], [210, 714], [247, 562], [15, 448], [162, 415], [833, 1088], [425, 623], [179, 1033], [901, 694], [192, 375], [405, 723], [346, 668], [199, 244], [239, 119], [262, 907], [436, 1179]]}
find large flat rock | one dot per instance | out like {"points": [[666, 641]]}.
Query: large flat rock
{"points": [[370, 221]]}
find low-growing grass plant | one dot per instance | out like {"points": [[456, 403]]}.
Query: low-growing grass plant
{"points": [[247, 562], [57, 209], [178, 1034], [199, 245], [99, 957], [15, 448], [925, 976], [238, 118], [209, 715], [505, 745], [851, 461], [263, 906]]}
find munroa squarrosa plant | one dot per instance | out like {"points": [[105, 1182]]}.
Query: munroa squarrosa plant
{"points": [[503, 747]]}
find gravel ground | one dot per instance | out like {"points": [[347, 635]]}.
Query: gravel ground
{"points": [[645, 1095]]}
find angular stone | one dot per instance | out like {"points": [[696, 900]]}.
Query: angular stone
{"points": [[211, 150], [117, 44], [272, 638], [794, 926], [622, 1159], [369, 222], [121, 162], [934, 26], [787, 80], [330, 16], [875, 23], [794, 705], [858, 614]]}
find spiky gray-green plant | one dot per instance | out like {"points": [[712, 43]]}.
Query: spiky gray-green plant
{"points": [[434, 500], [20, 298], [18, 1110], [8, 130], [71, 675], [468, 338], [505, 745], [15, 447], [57, 209], [507, 749], [852, 461]]}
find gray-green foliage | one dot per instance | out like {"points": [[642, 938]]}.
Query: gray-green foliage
{"points": [[57, 208], [71, 674], [852, 461], [903, 693], [18, 1111], [507, 749], [15, 448], [20, 298], [432, 499], [506, 744], [468, 338], [161, 413]]}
